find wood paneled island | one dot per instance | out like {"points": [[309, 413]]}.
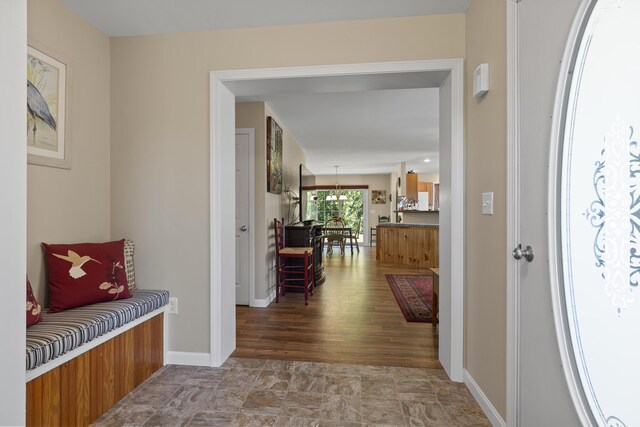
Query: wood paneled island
{"points": [[410, 244]]}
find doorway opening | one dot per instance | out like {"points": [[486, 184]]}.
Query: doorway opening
{"points": [[352, 210], [447, 75]]}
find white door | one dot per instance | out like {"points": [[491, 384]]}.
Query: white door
{"points": [[242, 223], [543, 398]]}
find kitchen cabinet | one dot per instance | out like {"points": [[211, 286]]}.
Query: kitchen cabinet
{"points": [[412, 186]]}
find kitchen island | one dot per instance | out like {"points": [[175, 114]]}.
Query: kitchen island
{"points": [[410, 244], [420, 216]]}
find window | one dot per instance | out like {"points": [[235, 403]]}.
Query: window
{"points": [[351, 210], [598, 226]]}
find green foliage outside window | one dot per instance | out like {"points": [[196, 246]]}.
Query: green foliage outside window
{"points": [[350, 210]]}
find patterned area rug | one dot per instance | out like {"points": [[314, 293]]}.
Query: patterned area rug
{"points": [[413, 294]]}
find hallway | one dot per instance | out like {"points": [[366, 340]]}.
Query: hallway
{"points": [[353, 318]]}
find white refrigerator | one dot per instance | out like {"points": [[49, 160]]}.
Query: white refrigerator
{"points": [[423, 200]]}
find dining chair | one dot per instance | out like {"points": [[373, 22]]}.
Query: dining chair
{"points": [[334, 233], [295, 267], [355, 235], [373, 230]]}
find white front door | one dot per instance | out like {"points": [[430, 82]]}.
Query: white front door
{"points": [[543, 398], [243, 229]]}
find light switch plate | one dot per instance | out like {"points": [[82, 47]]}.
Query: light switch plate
{"points": [[480, 80], [487, 203]]}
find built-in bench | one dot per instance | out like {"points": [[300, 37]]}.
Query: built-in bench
{"points": [[80, 362]]}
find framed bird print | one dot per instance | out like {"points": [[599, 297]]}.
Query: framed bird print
{"points": [[46, 107]]}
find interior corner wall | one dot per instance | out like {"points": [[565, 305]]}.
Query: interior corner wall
{"points": [[160, 132], [393, 186], [65, 206], [486, 121], [268, 206], [292, 156], [429, 177], [13, 228], [276, 205]]}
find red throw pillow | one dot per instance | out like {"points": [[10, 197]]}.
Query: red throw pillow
{"points": [[34, 314], [85, 273]]}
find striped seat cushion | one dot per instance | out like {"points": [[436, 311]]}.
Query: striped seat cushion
{"points": [[61, 332]]}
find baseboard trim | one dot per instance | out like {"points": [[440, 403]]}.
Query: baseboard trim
{"points": [[187, 358], [489, 410], [261, 303], [264, 302]]}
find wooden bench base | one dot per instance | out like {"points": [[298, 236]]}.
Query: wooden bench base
{"points": [[81, 390]]}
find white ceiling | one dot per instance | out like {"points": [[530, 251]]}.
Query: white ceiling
{"points": [[365, 124], [363, 132], [138, 17]]}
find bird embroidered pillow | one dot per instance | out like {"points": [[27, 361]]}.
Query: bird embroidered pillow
{"points": [[34, 311], [85, 273]]}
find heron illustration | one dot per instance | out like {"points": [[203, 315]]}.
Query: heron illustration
{"points": [[77, 262], [38, 108]]}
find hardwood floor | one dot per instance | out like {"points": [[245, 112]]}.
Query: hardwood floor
{"points": [[352, 318]]}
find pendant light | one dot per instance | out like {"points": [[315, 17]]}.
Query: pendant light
{"points": [[337, 195]]}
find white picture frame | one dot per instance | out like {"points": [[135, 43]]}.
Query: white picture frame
{"points": [[47, 134]]}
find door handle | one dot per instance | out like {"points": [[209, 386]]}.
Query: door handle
{"points": [[243, 228], [526, 253]]}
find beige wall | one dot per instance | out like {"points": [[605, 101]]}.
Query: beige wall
{"points": [[374, 181], [71, 205], [292, 156], [160, 133], [393, 186], [428, 177], [267, 205], [421, 218], [485, 317]]}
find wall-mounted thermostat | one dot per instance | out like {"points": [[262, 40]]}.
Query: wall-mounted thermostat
{"points": [[480, 80]]}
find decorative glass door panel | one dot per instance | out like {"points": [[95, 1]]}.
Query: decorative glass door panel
{"points": [[597, 228]]}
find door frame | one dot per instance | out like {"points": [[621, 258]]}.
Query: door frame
{"points": [[222, 341], [365, 217], [513, 215], [251, 133]]}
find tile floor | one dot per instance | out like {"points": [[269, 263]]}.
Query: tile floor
{"points": [[255, 392]]}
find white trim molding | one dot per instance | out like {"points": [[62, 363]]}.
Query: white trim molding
{"points": [[260, 303], [216, 205], [222, 337], [222, 259], [13, 217], [484, 402], [188, 358], [513, 216], [264, 302], [457, 255]]}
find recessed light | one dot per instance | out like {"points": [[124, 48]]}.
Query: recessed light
{"points": [[427, 160]]}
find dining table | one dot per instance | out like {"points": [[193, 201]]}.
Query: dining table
{"points": [[346, 231]]}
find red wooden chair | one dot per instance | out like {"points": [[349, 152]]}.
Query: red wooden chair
{"points": [[294, 266]]}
